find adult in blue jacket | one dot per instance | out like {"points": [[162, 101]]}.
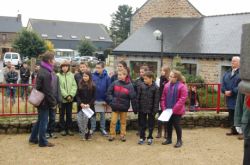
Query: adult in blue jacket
{"points": [[229, 87], [102, 82]]}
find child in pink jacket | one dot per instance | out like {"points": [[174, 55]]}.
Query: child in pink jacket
{"points": [[174, 97]]}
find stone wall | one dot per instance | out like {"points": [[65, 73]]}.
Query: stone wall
{"points": [[14, 125], [162, 8], [7, 43]]}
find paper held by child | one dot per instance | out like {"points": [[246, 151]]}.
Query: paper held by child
{"points": [[165, 115], [100, 106], [88, 112]]}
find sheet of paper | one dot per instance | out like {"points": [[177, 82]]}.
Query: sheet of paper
{"points": [[99, 107], [165, 115], [88, 112]]}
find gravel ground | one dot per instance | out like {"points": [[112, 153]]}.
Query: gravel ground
{"points": [[204, 146]]}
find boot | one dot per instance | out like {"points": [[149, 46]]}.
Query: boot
{"points": [[159, 130], [178, 144]]}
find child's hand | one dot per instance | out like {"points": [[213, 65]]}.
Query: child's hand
{"points": [[86, 105], [82, 105]]}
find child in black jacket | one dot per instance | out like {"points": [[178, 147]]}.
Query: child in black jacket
{"points": [[148, 101], [85, 99]]}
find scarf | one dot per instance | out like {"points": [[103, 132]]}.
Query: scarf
{"points": [[171, 98], [49, 67]]}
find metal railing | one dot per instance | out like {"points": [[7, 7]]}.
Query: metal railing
{"points": [[14, 99]]}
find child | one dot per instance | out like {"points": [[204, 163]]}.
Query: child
{"points": [[148, 102], [85, 99], [119, 95], [165, 71], [194, 99], [68, 89], [83, 67], [174, 97]]}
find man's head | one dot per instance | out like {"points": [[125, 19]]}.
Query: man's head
{"points": [[12, 68], [8, 64], [99, 67], [83, 67], [235, 63]]}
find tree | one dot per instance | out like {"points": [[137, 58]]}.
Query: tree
{"points": [[86, 48], [29, 44], [120, 24], [49, 45]]}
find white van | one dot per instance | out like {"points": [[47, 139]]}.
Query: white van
{"points": [[13, 57]]}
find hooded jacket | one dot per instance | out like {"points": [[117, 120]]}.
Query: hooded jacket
{"points": [[102, 83], [119, 95], [67, 84]]}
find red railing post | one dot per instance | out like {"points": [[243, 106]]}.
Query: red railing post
{"points": [[218, 99]]}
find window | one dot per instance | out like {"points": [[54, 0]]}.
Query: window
{"points": [[190, 68], [135, 68], [14, 56], [7, 56], [44, 35], [87, 37], [4, 37], [59, 36], [101, 38]]}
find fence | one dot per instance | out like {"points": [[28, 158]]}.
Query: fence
{"points": [[14, 99]]}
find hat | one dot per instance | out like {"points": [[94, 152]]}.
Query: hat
{"points": [[65, 63]]}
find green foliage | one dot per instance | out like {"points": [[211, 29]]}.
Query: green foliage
{"points": [[86, 48], [29, 44], [189, 78], [120, 24]]}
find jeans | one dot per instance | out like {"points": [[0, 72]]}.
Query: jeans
{"points": [[123, 119], [39, 129], [174, 121], [52, 121], [24, 90], [146, 119], [66, 107], [11, 91], [102, 121]]}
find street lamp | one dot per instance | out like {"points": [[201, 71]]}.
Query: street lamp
{"points": [[159, 36]]}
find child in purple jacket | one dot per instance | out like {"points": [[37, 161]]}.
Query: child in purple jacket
{"points": [[174, 97]]}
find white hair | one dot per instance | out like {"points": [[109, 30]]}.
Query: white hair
{"points": [[236, 57]]}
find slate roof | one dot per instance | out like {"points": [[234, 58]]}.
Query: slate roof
{"points": [[69, 30], [10, 24], [207, 35]]}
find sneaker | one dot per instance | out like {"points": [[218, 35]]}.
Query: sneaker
{"points": [[166, 142], [104, 133], [47, 145], [111, 139], [47, 135], [150, 141], [91, 132], [63, 133], [52, 135], [123, 139], [141, 142], [70, 133]]}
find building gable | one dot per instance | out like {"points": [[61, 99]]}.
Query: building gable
{"points": [[162, 8]]}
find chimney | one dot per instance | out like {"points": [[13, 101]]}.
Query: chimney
{"points": [[19, 18]]}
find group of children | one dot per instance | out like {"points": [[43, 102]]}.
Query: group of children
{"points": [[119, 92]]}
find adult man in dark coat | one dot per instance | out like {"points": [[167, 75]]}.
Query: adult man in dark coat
{"points": [[229, 87]]}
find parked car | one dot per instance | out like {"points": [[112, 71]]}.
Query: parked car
{"points": [[60, 59], [13, 57]]}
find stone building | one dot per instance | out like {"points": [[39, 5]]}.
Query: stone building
{"points": [[9, 27], [162, 8], [204, 44]]}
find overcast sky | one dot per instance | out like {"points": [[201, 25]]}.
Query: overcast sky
{"points": [[99, 11]]}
